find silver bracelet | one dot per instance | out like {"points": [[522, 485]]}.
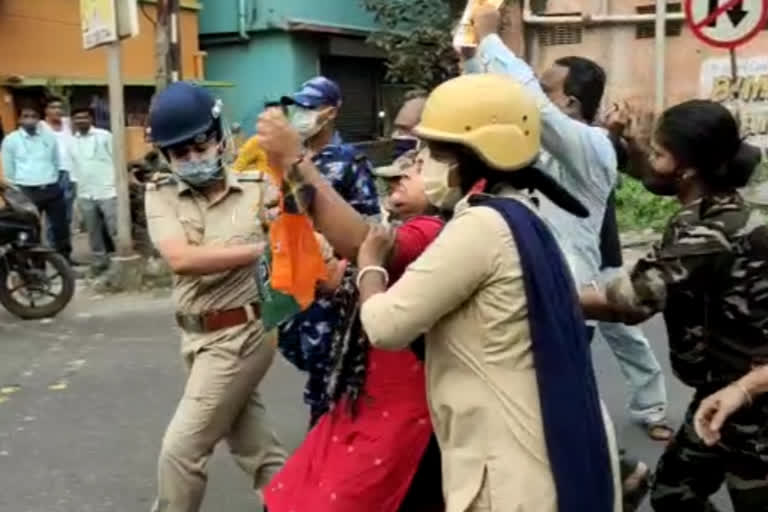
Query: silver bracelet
{"points": [[741, 387], [373, 268]]}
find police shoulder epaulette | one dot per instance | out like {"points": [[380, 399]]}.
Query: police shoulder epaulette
{"points": [[250, 176], [160, 180]]}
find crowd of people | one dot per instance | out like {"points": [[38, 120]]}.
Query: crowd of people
{"points": [[64, 165], [448, 347]]}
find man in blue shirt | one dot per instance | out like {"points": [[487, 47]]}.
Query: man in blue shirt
{"points": [[306, 339], [31, 162]]}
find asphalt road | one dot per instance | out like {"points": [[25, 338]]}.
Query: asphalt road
{"points": [[84, 401]]}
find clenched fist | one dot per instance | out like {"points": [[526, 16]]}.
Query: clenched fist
{"points": [[279, 139], [486, 21]]}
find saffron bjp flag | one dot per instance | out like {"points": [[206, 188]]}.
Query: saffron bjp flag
{"points": [[293, 265]]}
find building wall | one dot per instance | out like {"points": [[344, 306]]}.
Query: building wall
{"points": [[43, 38], [629, 61], [221, 16], [264, 69]]}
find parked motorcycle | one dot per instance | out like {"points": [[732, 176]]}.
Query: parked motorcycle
{"points": [[35, 282]]}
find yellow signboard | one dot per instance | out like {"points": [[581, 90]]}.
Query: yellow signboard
{"points": [[746, 95], [99, 22]]}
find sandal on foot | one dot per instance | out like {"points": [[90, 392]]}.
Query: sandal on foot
{"points": [[659, 431]]}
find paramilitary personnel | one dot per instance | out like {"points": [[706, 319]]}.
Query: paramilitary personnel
{"points": [[708, 278]]}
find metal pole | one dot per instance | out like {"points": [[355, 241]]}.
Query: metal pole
{"points": [[162, 44], [174, 6], [734, 82], [660, 55], [117, 120]]}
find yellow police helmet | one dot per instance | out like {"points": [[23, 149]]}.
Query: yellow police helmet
{"points": [[491, 114]]}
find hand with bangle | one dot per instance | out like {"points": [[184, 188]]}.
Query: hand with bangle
{"points": [[717, 408], [373, 277]]}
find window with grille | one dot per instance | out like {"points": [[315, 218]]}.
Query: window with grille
{"points": [[647, 30], [556, 35]]}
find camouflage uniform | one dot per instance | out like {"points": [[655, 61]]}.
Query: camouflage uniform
{"points": [[708, 276], [306, 339]]}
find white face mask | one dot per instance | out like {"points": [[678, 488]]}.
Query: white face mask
{"points": [[436, 175], [306, 121]]}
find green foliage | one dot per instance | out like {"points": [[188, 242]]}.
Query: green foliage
{"points": [[416, 36], [638, 209]]}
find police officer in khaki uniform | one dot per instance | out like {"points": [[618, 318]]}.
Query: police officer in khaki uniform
{"points": [[205, 223]]}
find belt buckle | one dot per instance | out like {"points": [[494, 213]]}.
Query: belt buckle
{"points": [[191, 323]]}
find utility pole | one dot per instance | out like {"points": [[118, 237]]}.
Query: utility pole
{"points": [[167, 43], [174, 53], [660, 51], [117, 125], [162, 45]]}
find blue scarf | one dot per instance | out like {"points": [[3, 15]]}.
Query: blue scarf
{"points": [[570, 406]]}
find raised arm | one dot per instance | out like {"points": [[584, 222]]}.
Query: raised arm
{"points": [[339, 223], [561, 136], [630, 131]]}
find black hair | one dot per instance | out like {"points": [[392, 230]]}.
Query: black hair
{"points": [[704, 136], [29, 105], [472, 168], [585, 82], [415, 94], [82, 110], [53, 99]]}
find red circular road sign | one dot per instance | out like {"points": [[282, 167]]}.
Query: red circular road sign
{"points": [[726, 23]]}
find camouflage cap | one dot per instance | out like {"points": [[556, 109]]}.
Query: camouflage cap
{"points": [[399, 167]]}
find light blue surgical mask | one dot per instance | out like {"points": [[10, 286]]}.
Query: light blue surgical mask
{"points": [[306, 122], [200, 173]]}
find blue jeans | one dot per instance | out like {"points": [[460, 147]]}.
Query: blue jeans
{"points": [[70, 190], [638, 363]]}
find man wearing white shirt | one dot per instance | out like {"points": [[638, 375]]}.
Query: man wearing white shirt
{"points": [[60, 126], [96, 192]]}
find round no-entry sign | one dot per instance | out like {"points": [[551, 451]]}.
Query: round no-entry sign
{"points": [[726, 23]]}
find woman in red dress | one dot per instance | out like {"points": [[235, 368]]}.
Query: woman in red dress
{"points": [[374, 451]]}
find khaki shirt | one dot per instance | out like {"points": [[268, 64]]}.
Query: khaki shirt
{"points": [[466, 292], [176, 211]]}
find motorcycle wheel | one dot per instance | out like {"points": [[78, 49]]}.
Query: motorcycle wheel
{"points": [[32, 311]]}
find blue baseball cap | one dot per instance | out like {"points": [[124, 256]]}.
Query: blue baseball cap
{"points": [[317, 92]]}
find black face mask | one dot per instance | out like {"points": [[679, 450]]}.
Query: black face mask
{"points": [[659, 185], [404, 145], [29, 127]]}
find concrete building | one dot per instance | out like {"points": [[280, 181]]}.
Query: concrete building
{"points": [[41, 52], [266, 48], [626, 50]]}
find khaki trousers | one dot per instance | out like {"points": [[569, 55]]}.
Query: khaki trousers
{"points": [[220, 401]]}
